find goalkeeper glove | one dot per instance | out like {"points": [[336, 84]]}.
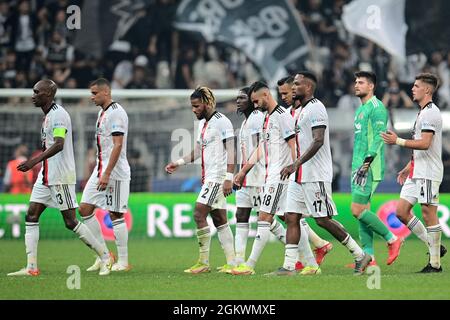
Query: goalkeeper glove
{"points": [[360, 176]]}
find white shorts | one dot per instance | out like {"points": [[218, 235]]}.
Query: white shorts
{"points": [[423, 191], [310, 199], [212, 195], [113, 199], [249, 197], [59, 196], [274, 199]]}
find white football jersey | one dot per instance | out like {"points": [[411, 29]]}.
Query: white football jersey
{"points": [[60, 168], [251, 126], [113, 120], [278, 129], [320, 167], [211, 135], [427, 164], [292, 111]]}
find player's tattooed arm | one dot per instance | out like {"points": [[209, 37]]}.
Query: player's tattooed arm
{"points": [[50, 152], [318, 138]]}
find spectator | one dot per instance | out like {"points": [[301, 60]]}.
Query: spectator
{"points": [[15, 181], [349, 102], [141, 75], [23, 37], [4, 29], [395, 98]]}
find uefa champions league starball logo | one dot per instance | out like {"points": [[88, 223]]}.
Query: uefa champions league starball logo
{"points": [[386, 213], [106, 223]]}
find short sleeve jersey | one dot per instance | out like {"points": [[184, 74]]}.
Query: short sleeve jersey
{"points": [[427, 164], [211, 136], [320, 167], [250, 127], [278, 129], [110, 122], [60, 168]]}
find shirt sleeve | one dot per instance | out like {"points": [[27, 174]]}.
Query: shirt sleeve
{"points": [[226, 129], [287, 125], [378, 122], [256, 126], [60, 120], [199, 131], [431, 121], [319, 117], [117, 123]]}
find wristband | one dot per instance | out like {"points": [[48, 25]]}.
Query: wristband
{"points": [[229, 176], [400, 142], [180, 162]]}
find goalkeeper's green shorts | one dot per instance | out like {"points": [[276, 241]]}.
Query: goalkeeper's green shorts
{"points": [[362, 195]]}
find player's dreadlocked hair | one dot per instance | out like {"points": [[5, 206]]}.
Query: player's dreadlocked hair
{"points": [[205, 95]]}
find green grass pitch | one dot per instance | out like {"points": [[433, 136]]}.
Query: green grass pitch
{"points": [[158, 274]]}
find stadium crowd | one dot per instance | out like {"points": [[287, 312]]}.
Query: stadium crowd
{"points": [[35, 43]]}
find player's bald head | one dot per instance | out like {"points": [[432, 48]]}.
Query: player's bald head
{"points": [[47, 86]]}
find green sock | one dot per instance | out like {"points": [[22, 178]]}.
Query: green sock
{"points": [[374, 223], [366, 237]]}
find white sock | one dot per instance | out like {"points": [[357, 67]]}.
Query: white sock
{"points": [[92, 223], [305, 254], [278, 230], [417, 227], [262, 236], [31, 244], [204, 241], [86, 236], [226, 240], [242, 230], [434, 240], [353, 247], [314, 239], [393, 239], [290, 256], [121, 235]]}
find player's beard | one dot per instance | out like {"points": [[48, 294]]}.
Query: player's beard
{"points": [[362, 95]]}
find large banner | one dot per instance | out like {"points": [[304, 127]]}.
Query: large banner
{"points": [[170, 215], [401, 27], [270, 33]]}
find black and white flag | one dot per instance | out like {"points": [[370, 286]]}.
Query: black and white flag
{"points": [[269, 32]]}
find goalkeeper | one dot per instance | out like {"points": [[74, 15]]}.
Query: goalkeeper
{"points": [[368, 165]]}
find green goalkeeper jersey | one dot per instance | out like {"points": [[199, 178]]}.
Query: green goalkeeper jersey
{"points": [[370, 120]]}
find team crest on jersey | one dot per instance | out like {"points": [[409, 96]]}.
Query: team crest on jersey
{"points": [[361, 115], [111, 189], [210, 184], [271, 190], [58, 188], [318, 195]]}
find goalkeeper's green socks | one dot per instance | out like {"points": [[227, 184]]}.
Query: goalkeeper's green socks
{"points": [[374, 223], [366, 237]]}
